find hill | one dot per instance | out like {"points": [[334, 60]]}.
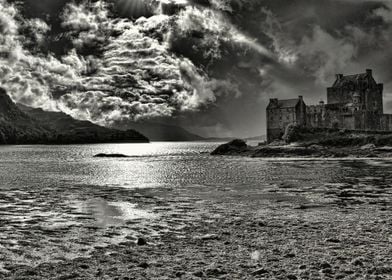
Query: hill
{"points": [[16, 127], [20, 124]]}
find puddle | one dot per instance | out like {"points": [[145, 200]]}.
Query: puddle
{"points": [[113, 213]]}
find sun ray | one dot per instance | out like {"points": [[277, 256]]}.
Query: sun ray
{"points": [[134, 8], [137, 8]]}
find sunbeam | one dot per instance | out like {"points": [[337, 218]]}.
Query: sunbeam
{"points": [[137, 8]]}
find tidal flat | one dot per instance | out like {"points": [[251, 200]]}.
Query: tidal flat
{"points": [[285, 231], [172, 211]]}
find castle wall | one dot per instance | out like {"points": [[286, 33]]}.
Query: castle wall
{"points": [[371, 121], [386, 122], [277, 121], [348, 121], [301, 113], [338, 95], [373, 99], [326, 116], [279, 118], [316, 116]]}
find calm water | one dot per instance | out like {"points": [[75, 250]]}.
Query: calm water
{"points": [[165, 164], [60, 191]]}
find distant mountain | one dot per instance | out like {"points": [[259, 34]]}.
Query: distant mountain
{"points": [[163, 132], [20, 124], [219, 139], [257, 138]]}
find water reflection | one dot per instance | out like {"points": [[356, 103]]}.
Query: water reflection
{"points": [[112, 213]]}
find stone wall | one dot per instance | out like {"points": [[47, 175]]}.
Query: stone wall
{"points": [[338, 95], [371, 99], [386, 122], [301, 113], [279, 118], [327, 116], [330, 117], [316, 116], [277, 121]]}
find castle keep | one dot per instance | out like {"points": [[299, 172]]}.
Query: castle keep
{"points": [[354, 102]]}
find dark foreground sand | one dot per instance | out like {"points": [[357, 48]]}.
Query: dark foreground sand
{"points": [[228, 233]]}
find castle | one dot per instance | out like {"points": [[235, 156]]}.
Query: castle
{"points": [[354, 102]]}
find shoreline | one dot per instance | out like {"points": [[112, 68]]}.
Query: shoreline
{"points": [[301, 150], [246, 219]]}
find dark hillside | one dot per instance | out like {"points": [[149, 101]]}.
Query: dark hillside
{"points": [[24, 125], [17, 127], [70, 130]]}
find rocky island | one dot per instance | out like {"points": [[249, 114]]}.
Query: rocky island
{"points": [[310, 143]]}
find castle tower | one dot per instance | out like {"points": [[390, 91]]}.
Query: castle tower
{"points": [[370, 92], [281, 113]]}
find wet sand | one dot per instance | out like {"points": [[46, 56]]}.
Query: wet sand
{"points": [[282, 231]]}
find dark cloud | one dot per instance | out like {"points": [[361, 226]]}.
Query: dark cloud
{"points": [[210, 65], [132, 76]]}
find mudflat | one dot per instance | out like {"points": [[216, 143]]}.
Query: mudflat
{"points": [[282, 231]]}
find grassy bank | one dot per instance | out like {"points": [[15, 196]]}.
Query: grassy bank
{"points": [[337, 138]]}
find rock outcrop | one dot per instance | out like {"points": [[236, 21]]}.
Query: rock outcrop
{"points": [[240, 148], [110, 156], [234, 147]]}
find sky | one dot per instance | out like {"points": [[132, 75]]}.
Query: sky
{"points": [[210, 66]]}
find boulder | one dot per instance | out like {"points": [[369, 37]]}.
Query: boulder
{"points": [[141, 241], [144, 265], [233, 147]]}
